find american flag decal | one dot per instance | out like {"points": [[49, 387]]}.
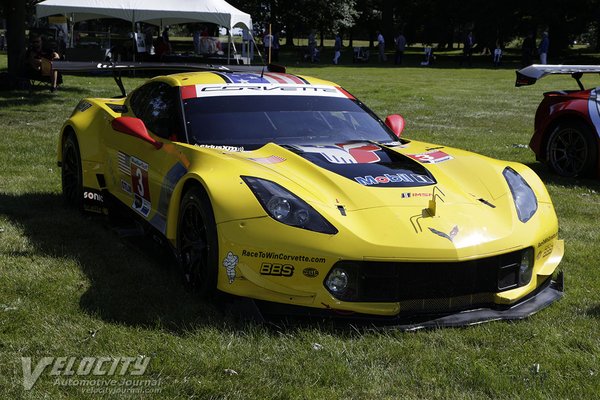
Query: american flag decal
{"points": [[124, 164]]}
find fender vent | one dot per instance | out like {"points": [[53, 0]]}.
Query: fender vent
{"points": [[101, 181]]}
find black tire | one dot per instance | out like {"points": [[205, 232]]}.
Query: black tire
{"points": [[572, 150], [72, 173], [197, 247]]}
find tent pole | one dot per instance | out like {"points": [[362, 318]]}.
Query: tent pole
{"points": [[134, 47], [235, 52], [228, 46], [72, 29]]}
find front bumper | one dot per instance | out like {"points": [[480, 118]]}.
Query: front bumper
{"points": [[549, 292]]}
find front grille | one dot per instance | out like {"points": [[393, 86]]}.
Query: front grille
{"points": [[372, 281], [446, 304]]}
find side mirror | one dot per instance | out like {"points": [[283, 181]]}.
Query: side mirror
{"points": [[396, 123], [134, 127]]}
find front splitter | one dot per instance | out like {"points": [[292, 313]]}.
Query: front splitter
{"points": [[548, 293], [521, 310]]}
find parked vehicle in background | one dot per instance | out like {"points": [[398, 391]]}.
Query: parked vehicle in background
{"points": [[567, 122]]}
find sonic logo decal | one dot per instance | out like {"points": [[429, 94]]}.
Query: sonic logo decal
{"points": [[450, 235], [347, 153], [230, 262], [93, 196]]}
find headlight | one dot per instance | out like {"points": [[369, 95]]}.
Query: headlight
{"points": [[342, 281], [287, 208], [337, 281], [523, 196]]}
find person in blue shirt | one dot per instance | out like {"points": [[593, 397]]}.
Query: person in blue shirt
{"points": [[543, 49]]}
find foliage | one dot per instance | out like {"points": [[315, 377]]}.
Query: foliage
{"points": [[299, 17], [444, 22]]}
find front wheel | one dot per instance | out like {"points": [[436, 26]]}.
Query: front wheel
{"points": [[72, 175], [197, 242], [572, 150]]}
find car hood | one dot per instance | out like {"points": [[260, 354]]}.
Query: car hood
{"points": [[362, 175]]}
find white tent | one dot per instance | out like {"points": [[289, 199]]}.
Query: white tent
{"points": [[155, 12]]}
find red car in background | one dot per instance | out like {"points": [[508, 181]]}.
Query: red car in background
{"points": [[567, 122]]}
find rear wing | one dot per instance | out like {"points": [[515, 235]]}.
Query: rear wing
{"points": [[530, 75], [77, 67]]}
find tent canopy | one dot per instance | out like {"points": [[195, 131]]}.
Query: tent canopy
{"points": [[157, 12]]}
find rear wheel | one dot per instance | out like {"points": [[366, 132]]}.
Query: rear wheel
{"points": [[572, 150], [72, 175], [197, 242]]}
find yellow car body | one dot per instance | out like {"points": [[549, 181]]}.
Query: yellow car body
{"points": [[431, 241]]}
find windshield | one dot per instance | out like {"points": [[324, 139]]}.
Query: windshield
{"points": [[252, 121]]}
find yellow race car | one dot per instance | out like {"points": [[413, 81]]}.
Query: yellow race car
{"points": [[288, 190]]}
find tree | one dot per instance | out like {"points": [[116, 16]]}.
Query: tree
{"points": [[15, 12], [327, 16], [330, 16]]}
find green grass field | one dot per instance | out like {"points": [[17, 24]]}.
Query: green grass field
{"points": [[70, 287]]}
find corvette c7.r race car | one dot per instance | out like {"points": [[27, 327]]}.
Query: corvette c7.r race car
{"points": [[288, 190], [567, 122]]}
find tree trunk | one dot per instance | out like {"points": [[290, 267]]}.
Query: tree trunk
{"points": [[387, 28], [289, 38], [14, 10]]}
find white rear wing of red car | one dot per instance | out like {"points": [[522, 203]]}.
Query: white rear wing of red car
{"points": [[530, 75]]}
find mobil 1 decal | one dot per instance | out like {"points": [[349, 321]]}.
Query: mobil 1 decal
{"points": [[140, 187]]}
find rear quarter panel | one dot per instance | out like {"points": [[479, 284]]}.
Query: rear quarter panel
{"points": [[88, 120]]}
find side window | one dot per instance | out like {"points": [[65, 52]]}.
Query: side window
{"points": [[156, 104]]}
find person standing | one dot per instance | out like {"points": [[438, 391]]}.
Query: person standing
{"points": [[275, 46], [148, 38], [381, 47], [196, 39], [165, 34], [312, 45], [527, 50], [267, 44], [543, 49], [337, 48], [497, 53], [400, 46], [468, 48]]}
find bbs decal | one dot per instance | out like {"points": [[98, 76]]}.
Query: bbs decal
{"points": [[274, 269]]}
